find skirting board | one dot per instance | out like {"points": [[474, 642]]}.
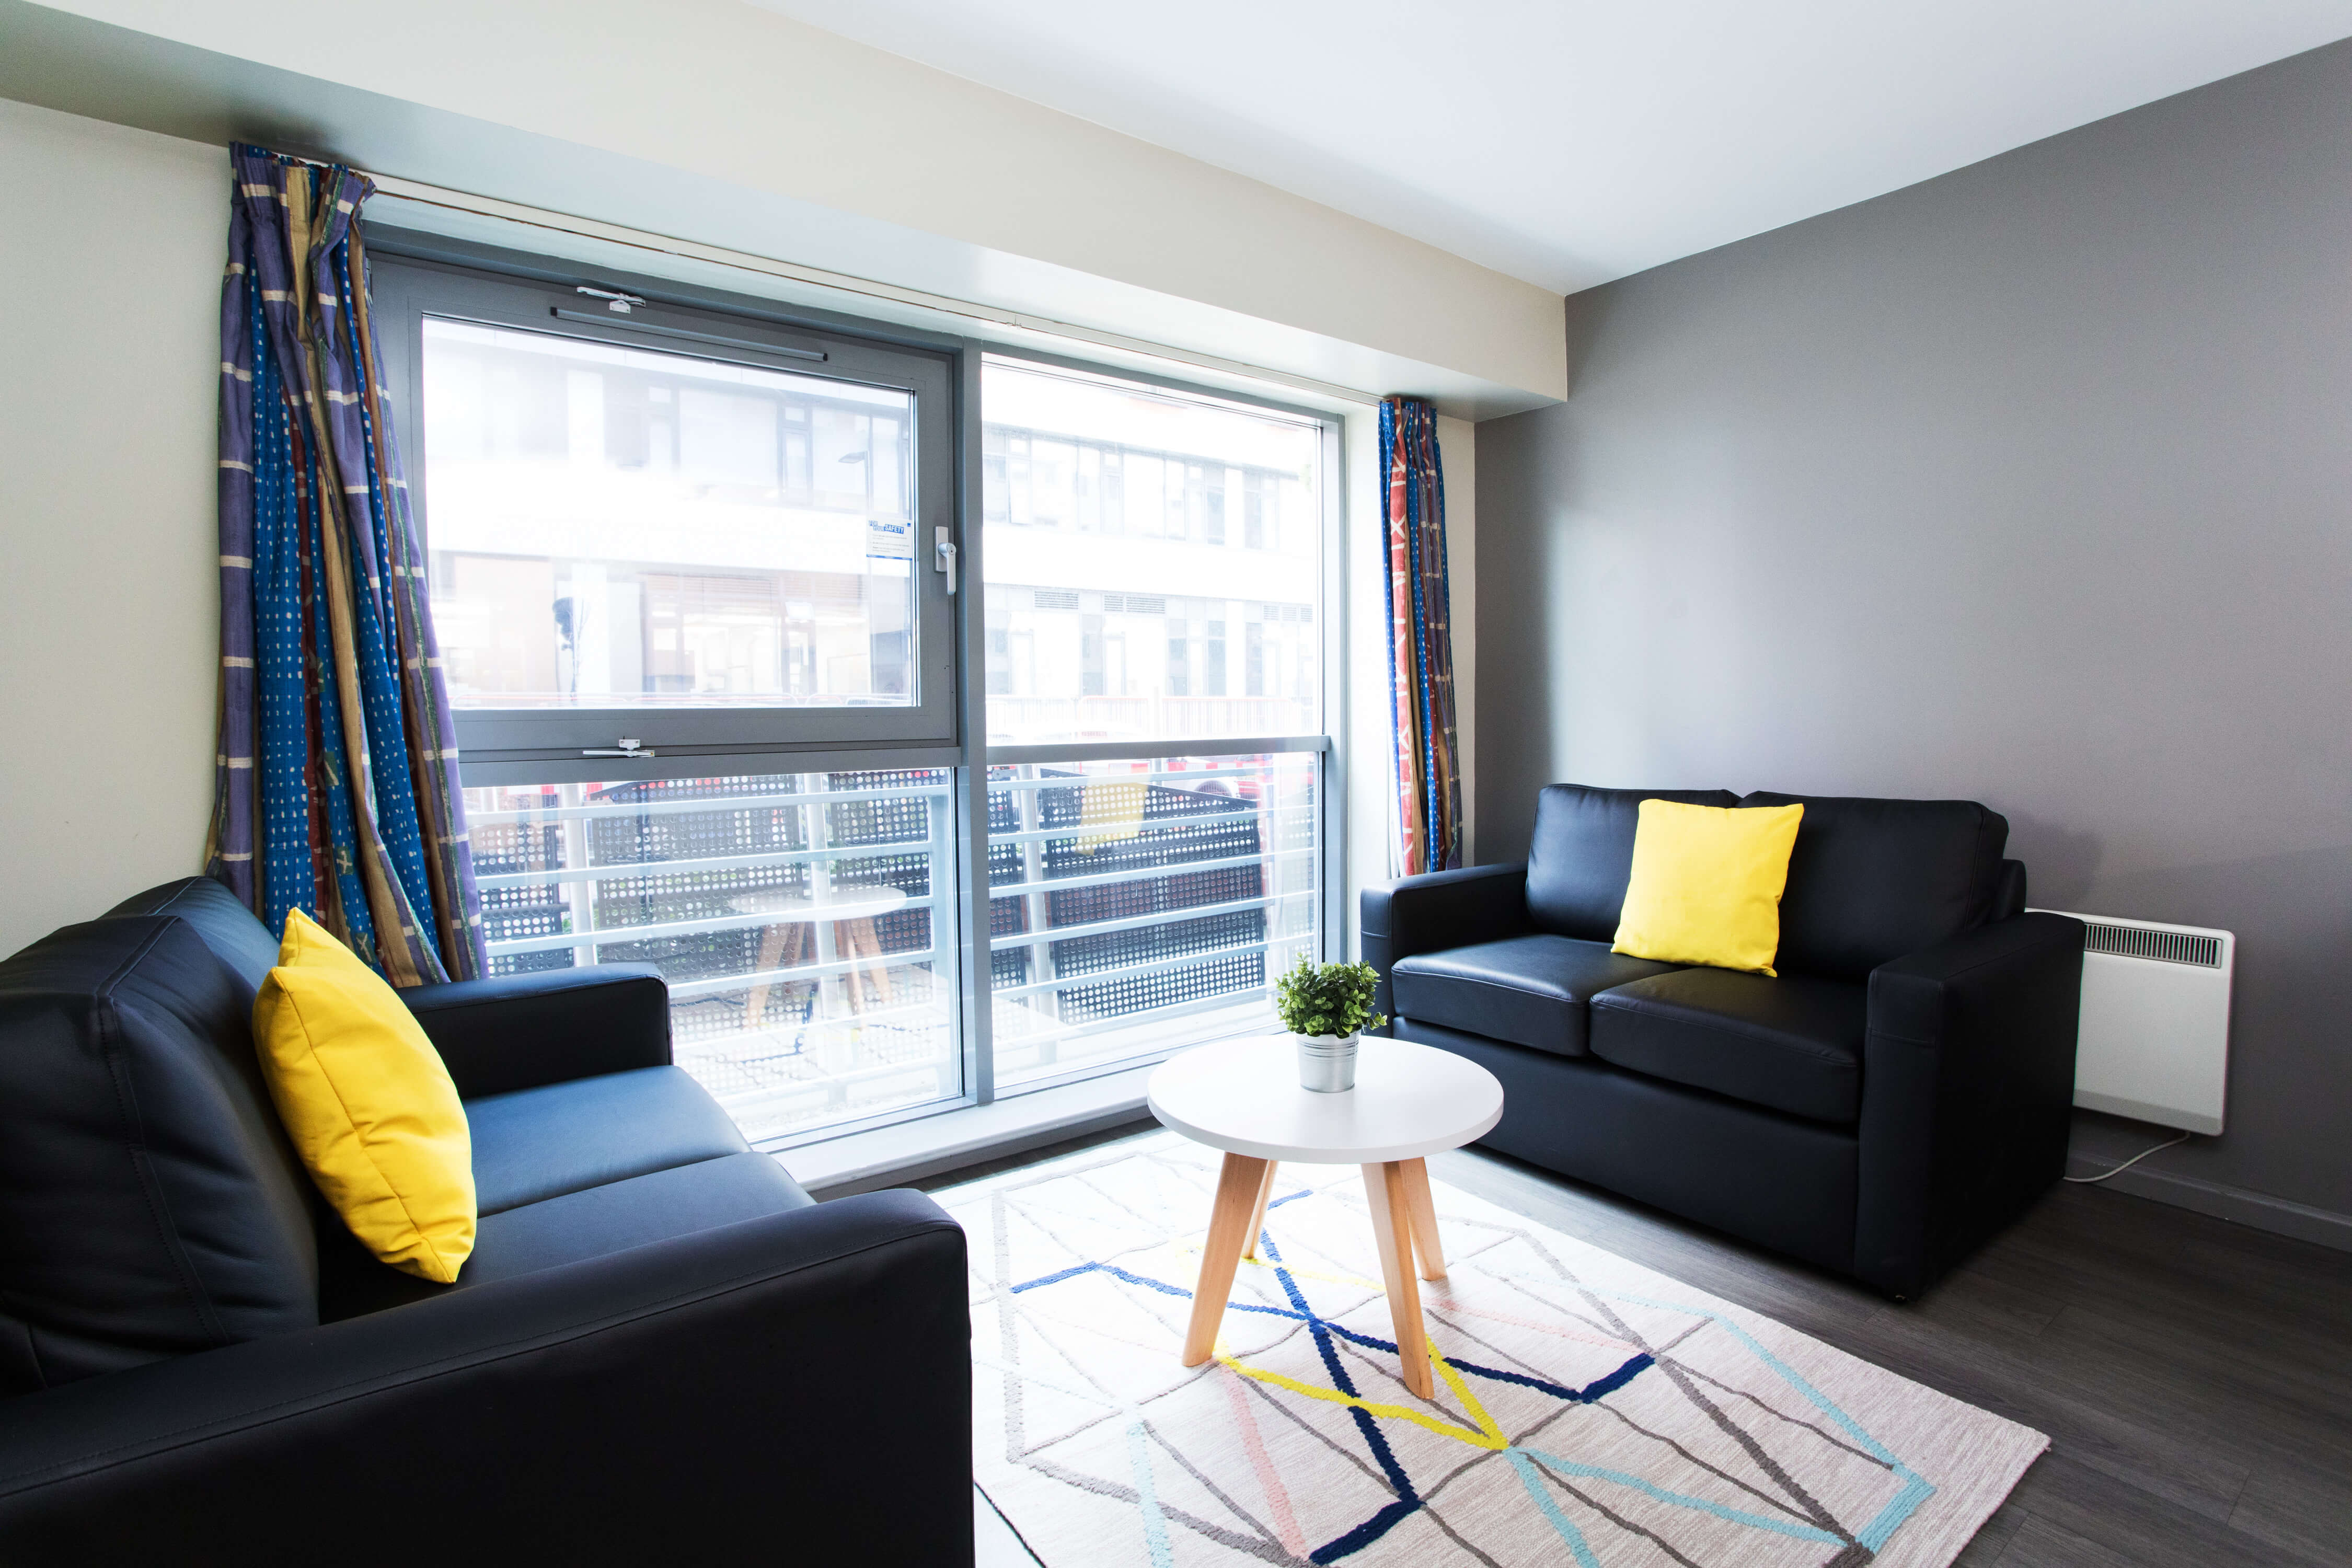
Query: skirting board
{"points": [[910, 1152], [2281, 1216]]}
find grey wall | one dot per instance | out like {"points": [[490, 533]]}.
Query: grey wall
{"points": [[2031, 484]]}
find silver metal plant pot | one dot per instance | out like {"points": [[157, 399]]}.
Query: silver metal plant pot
{"points": [[1326, 1063]]}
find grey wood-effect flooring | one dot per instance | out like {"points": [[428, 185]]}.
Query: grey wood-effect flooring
{"points": [[2195, 1377]]}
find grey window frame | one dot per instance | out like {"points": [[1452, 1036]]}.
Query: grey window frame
{"points": [[959, 745], [412, 282]]}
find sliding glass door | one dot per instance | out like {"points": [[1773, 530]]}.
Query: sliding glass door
{"points": [[699, 572]]}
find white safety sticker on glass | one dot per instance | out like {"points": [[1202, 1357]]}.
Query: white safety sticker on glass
{"points": [[891, 541]]}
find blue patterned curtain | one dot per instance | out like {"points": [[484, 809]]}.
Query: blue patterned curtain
{"points": [[1420, 640], [337, 787]]}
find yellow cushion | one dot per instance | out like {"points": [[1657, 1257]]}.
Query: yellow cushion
{"points": [[1706, 884], [368, 1104]]}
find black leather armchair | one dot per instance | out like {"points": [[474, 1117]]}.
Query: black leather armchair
{"points": [[660, 1351], [1897, 1094]]}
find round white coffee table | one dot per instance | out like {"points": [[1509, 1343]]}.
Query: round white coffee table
{"points": [[1409, 1102]]}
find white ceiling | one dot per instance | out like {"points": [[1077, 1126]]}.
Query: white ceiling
{"points": [[1569, 142]]}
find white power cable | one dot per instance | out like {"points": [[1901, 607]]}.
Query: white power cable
{"points": [[2127, 1164]]}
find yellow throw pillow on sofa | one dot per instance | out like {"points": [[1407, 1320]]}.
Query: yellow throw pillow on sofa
{"points": [[1706, 884], [368, 1103]]}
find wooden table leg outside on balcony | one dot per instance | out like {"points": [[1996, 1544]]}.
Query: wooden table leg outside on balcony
{"points": [[1238, 1185]]}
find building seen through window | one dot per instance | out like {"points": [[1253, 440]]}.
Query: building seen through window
{"points": [[1151, 565], [618, 527]]}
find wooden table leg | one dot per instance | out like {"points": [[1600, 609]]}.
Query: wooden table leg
{"points": [[1238, 1185], [780, 946], [1257, 1215], [1386, 1189], [1424, 1219], [862, 941]]}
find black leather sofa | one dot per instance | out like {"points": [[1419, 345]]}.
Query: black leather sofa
{"points": [[661, 1350], [1896, 1096]]}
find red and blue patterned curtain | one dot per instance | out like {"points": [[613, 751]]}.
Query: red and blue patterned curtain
{"points": [[1420, 642], [337, 785]]}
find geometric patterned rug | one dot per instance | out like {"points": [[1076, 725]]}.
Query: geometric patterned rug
{"points": [[1588, 1411]]}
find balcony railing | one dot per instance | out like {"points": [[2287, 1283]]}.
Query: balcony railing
{"points": [[806, 923], [1140, 905]]}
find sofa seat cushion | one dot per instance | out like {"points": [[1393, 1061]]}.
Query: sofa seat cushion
{"points": [[1528, 990], [592, 1223], [1792, 1044], [540, 1143]]}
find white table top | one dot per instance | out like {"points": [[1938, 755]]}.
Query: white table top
{"points": [[842, 903], [1243, 1097]]}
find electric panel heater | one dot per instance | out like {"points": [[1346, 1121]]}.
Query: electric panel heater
{"points": [[2154, 1043]]}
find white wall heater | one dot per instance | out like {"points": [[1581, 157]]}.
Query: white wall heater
{"points": [[2155, 1035]]}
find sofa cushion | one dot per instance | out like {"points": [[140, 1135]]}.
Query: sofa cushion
{"points": [[233, 932], [368, 1104], [1782, 1181], [1706, 883], [540, 1143], [149, 1203], [1582, 853], [1529, 990], [1791, 1044], [1872, 880], [592, 1223]]}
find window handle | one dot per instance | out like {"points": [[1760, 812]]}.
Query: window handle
{"points": [[944, 559], [627, 748]]}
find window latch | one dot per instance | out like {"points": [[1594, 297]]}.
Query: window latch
{"points": [[627, 748], [944, 559], [615, 301]]}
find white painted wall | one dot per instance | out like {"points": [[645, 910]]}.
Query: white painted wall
{"points": [[110, 261], [715, 120]]}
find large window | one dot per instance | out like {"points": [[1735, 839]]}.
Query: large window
{"points": [[718, 713]]}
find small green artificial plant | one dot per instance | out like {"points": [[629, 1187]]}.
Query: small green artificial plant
{"points": [[1328, 998]]}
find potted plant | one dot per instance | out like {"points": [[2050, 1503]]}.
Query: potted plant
{"points": [[1326, 1007]]}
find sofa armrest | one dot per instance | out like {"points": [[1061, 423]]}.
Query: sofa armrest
{"points": [[523, 1030], [1967, 1088], [1436, 911], [799, 1383]]}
